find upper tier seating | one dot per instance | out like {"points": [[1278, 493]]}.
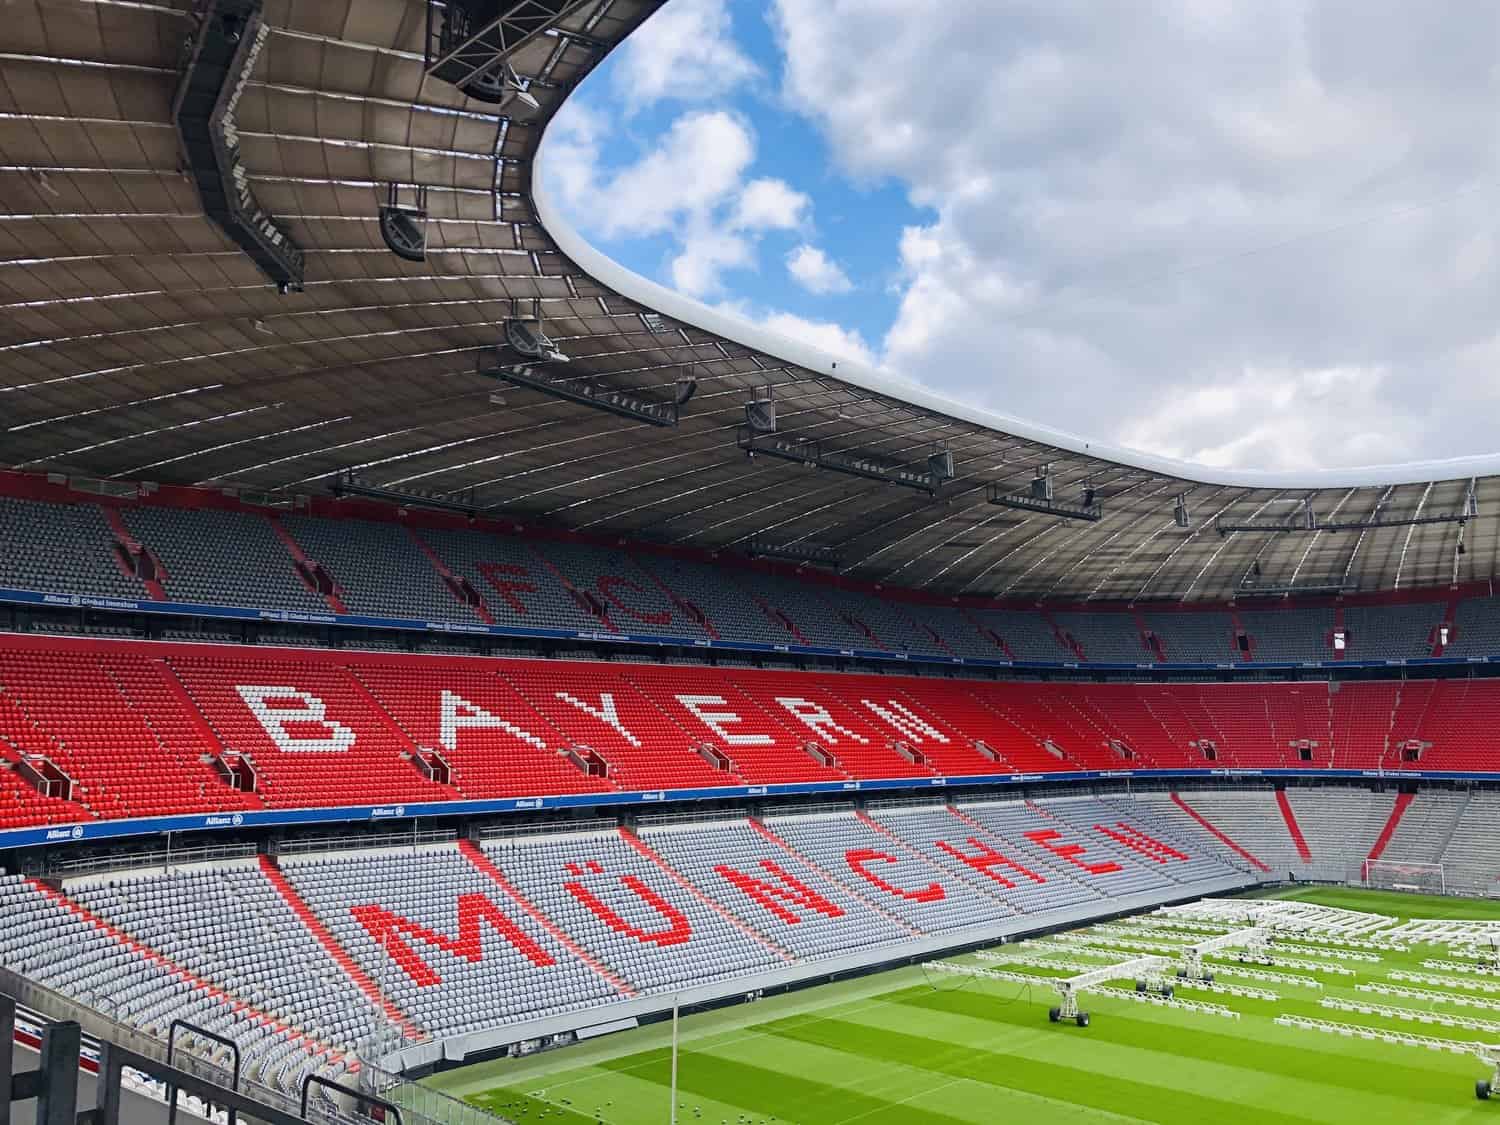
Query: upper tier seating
{"points": [[390, 569], [378, 568], [222, 558], [1391, 632], [61, 548], [1197, 637]]}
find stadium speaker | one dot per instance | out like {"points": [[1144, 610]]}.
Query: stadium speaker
{"points": [[1180, 511], [499, 86], [403, 233], [940, 465], [760, 416], [528, 338], [1041, 487], [686, 389]]}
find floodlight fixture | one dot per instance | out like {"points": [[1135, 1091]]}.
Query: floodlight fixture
{"points": [[940, 464], [760, 411], [1307, 521], [686, 389], [1041, 484], [527, 338], [403, 225], [1180, 514]]}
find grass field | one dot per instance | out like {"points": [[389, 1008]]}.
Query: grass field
{"points": [[909, 1048]]}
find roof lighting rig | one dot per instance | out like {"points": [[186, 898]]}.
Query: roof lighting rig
{"points": [[348, 483], [1039, 498], [530, 358], [804, 554], [851, 462], [1306, 519]]}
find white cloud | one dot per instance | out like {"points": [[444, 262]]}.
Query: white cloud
{"points": [[770, 204], [698, 164], [835, 339], [1261, 236], [684, 51], [816, 272], [832, 338], [708, 250]]}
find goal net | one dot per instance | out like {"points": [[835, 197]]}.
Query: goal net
{"points": [[1394, 875]]}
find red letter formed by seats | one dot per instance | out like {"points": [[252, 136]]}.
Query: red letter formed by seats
{"points": [[677, 931], [859, 859], [386, 927], [494, 574], [1137, 841], [1047, 837], [790, 891], [987, 860], [607, 584]]}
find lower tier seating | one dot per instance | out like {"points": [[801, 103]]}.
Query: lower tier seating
{"points": [[321, 958]]}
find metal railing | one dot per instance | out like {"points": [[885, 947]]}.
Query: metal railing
{"points": [[154, 857], [422, 1104], [346, 842]]}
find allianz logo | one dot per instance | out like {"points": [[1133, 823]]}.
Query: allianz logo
{"points": [[74, 833], [220, 821], [529, 803], [388, 810], [657, 796]]}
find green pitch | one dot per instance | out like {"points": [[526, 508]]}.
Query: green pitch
{"points": [[906, 1048]]}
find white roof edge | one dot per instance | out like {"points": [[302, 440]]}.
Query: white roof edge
{"points": [[672, 304]]}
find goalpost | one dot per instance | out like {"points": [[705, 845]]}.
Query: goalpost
{"points": [[1394, 875]]}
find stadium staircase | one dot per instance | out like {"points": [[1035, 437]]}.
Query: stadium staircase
{"points": [[136, 559], [1398, 810], [1218, 834], [313, 574], [347, 964], [1294, 830], [462, 589]]}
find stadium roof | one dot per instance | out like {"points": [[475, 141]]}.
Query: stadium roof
{"points": [[138, 342]]}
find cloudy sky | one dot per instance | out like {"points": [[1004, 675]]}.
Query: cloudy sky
{"points": [[1259, 235]]}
